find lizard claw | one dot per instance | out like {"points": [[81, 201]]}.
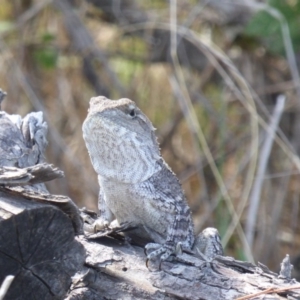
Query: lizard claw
{"points": [[164, 251], [150, 247], [147, 263], [157, 250]]}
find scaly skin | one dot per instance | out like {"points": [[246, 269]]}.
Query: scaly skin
{"points": [[137, 187]]}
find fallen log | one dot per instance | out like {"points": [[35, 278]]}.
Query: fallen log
{"points": [[117, 270]]}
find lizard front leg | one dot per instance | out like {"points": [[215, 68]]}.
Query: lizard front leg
{"points": [[105, 215], [105, 219]]}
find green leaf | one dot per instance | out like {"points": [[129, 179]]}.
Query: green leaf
{"points": [[46, 57], [268, 29], [47, 37]]}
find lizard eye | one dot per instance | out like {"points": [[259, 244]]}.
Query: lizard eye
{"points": [[132, 112]]}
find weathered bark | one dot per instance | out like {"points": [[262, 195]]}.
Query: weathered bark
{"points": [[62, 202], [37, 246], [12, 176], [115, 271], [37, 240]]}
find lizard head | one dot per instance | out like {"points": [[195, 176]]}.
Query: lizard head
{"points": [[120, 140]]}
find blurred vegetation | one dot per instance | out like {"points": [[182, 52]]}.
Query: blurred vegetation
{"points": [[55, 55], [264, 26]]}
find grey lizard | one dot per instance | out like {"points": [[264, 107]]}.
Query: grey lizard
{"points": [[137, 187]]}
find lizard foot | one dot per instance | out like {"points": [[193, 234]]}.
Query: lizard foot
{"points": [[158, 250], [208, 244], [97, 226], [154, 251], [92, 224], [163, 252]]}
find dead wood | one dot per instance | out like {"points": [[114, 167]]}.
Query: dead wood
{"points": [[37, 246], [37, 240], [117, 270]]}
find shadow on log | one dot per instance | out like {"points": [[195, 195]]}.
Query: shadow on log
{"points": [[37, 246]]}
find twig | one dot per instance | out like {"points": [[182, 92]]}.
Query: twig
{"points": [[268, 291], [278, 87], [229, 183], [5, 285], [168, 133], [177, 93], [262, 165]]}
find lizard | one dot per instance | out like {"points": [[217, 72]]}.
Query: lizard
{"points": [[137, 187]]}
